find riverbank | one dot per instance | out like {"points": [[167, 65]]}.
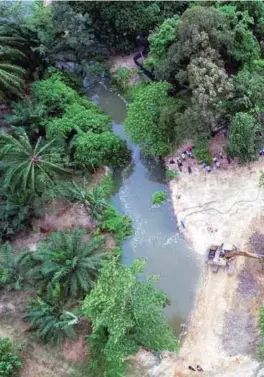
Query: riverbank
{"points": [[222, 206]]}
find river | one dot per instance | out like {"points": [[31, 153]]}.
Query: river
{"points": [[155, 236]]}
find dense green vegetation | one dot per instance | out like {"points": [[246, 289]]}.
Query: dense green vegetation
{"points": [[159, 197], [126, 313], [9, 358], [206, 58], [211, 56]]}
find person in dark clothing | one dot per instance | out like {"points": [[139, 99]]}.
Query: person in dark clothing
{"points": [[191, 368], [179, 166], [172, 161], [199, 368], [189, 169], [228, 160]]}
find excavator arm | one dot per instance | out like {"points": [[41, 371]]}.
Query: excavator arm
{"points": [[235, 253]]}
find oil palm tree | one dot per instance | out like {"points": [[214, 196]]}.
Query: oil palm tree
{"points": [[67, 265], [13, 268], [28, 166], [50, 322], [93, 200], [11, 75]]}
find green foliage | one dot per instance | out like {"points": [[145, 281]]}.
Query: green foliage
{"points": [[171, 174], [74, 33], [70, 79], [121, 78], [27, 166], [39, 22], [11, 75], [17, 208], [261, 326], [119, 225], [54, 94], [50, 322], [28, 114], [248, 92], [159, 197], [202, 152], [243, 137], [147, 119], [9, 359], [79, 118], [126, 314], [13, 268], [117, 25], [163, 37], [99, 150], [244, 46], [93, 199], [66, 265], [107, 185]]}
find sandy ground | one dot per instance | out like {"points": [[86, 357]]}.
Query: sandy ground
{"points": [[115, 62], [216, 207], [224, 205]]}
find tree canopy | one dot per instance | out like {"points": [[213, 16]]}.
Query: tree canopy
{"points": [[148, 119], [126, 313]]}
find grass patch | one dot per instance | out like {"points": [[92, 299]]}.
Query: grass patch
{"points": [[171, 174], [159, 197]]}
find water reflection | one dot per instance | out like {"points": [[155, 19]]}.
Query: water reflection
{"points": [[155, 168]]}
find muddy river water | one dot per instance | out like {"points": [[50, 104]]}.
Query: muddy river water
{"points": [[155, 236]]}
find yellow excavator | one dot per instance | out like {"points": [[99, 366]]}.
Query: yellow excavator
{"points": [[224, 256]]}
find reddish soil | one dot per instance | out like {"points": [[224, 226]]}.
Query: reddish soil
{"points": [[75, 350]]}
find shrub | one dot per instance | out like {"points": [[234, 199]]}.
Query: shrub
{"points": [[120, 226], [171, 174], [70, 79], [54, 94], [121, 78], [105, 149], [202, 152], [243, 137], [79, 118], [9, 359], [159, 197], [126, 313], [108, 185], [150, 118]]}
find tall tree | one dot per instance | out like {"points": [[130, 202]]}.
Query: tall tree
{"points": [[243, 137], [149, 120], [126, 313]]}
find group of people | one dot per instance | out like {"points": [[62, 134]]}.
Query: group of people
{"points": [[216, 160], [187, 153], [198, 368]]}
